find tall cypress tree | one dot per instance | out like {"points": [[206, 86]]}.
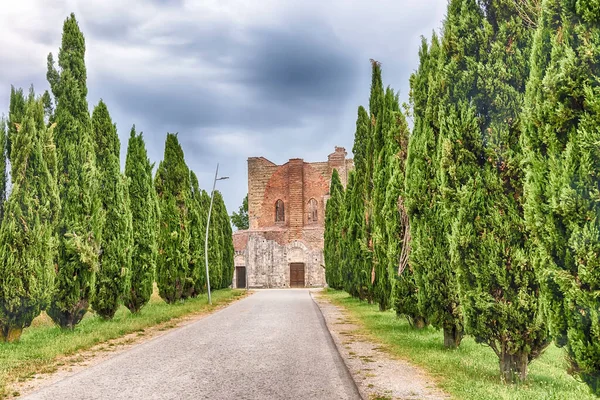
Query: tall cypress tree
{"points": [[388, 222], [420, 193], [215, 257], [333, 222], [560, 140], [27, 231], [489, 244], [172, 184], [144, 213], [81, 215], [226, 241], [116, 244], [196, 274]]}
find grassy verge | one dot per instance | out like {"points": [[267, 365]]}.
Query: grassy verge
{"points": [[43, 342], [470, 372]]}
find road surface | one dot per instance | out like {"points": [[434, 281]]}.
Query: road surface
{"points": [[271, 345]]}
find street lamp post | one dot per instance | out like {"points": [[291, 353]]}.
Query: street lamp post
{"points": [[207, 226]]}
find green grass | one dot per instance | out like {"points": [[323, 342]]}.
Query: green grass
{"points": [[469, 372], [43, 342]]}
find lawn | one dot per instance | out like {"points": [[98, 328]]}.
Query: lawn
{"points": [[43, 342], [469, 372]]}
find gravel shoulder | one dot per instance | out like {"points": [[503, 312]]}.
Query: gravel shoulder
{"points": [[378, 375]]}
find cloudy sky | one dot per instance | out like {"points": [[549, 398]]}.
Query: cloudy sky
{"points": [[236, 79]]}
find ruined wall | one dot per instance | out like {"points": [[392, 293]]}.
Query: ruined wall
{"points": [[268, 263], [260, 171]]}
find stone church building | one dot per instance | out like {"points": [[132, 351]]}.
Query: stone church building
{"points": [[283, 246]]}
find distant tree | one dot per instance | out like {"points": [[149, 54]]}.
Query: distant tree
{"points": [[144, 211], [172, 184], [114, 263], [333, 232], [80, 219], [560, 140], [27, 240], [240, 218]]}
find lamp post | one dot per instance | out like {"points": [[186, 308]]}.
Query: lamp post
{"points": [[207, 226]]}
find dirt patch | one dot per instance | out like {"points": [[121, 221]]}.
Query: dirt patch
{"points": [[66, 366], [377, 373]]}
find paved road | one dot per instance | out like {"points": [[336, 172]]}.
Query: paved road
{"points": [[271, 345]]}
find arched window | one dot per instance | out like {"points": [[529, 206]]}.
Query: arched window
{"points": [[279, 212], [313, 215]]}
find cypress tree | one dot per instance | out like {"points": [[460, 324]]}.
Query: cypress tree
{"points": [[172, 184], [27, 231], [215, 258], [346, 243], [144, 213], [358, 251], [227, 250], [489, 244], [333, 232], [79, 222], [560, 139], [196, 275], [389, 226], [114, 261], [429, 285]]}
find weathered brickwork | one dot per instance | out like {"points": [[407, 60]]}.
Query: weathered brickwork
{"points": [[269, 247]]}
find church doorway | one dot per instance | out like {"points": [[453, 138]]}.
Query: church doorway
{"points": [[297, 275]]}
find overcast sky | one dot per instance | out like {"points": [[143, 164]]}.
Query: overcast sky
{"points": [[235, 78]]}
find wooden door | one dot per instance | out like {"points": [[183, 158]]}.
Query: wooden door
{"points": [[240, 277], [297, 275]]}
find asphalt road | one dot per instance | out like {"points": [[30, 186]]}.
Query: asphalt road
{"points": [[271, 345]]}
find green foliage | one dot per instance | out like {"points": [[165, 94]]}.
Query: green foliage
{"points": [[196, 275], [145, 214], [333, 233], [27, 237], [389, 224], [81, 215], [16, 113], [116, 245], [562, 158], [225, 235], [240, 218], [3, 171], [490, 247], [215, 257], [172, 184]]}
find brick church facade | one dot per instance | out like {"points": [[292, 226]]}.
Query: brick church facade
{"points": [[283, 246]]}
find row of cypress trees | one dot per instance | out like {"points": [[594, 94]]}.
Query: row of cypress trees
{"points": [[75, 231], [484, 220]]}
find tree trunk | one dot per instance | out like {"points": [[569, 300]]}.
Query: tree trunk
{"points": [[419, 322], [513, 367], [10, 334], [452, 337]]}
